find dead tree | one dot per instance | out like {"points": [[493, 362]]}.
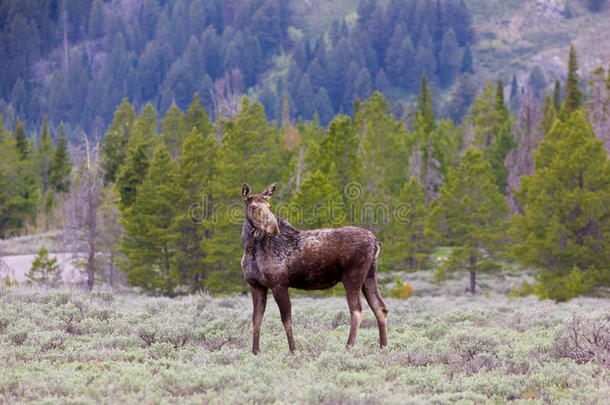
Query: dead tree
{"points": [[227, 94], [80, 210]]}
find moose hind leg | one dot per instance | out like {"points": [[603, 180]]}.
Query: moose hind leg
{"points": [[259, 303], [352, 293], [379, 307], [283, 302]]}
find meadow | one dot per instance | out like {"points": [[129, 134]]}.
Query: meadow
{"points": [[66, 346]]}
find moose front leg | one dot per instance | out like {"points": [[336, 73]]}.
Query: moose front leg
{"points": [[259, 301], [283, 302]]}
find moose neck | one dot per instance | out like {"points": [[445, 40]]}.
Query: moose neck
{"points": [[257, 241]]}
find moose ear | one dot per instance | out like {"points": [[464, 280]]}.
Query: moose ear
{"points": [[245, 191], [269, 191]]}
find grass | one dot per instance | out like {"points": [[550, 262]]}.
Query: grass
{"points": [[70, 347]]}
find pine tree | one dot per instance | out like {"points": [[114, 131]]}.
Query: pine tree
{"points": [[148, 243], [250, 152], [557, 95], [59, 178], [449, 59], [382, 153], [564, 231], [318, 203], [132, 174], [115, 141], [337, 158], [44, 156], [19, 193], [44, 269], [573, 97], [467, 61], [197, 117], [21, 141], [469, 216], [174, 131], [194, 181], [549, 114], [406, 246], [424, 106], [491, 126]]}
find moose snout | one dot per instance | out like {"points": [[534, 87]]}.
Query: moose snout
{"points": [[272, 229]]}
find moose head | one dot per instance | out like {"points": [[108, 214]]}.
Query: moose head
{"points": [[257, 209]]}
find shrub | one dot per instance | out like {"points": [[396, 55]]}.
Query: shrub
{"points": [[44, 269], [586, 339], [401, 290]]}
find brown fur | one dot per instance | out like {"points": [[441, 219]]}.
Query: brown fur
{"points": [[277, 256]]}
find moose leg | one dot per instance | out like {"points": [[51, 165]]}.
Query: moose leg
{"points": [[379, 307], [259, 301], [352, 293], [283, 302]]}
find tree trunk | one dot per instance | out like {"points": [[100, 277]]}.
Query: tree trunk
{"points": [[473, 276], [111, 273]]}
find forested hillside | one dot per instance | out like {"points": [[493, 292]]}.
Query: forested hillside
{"points": [[74, 61], [170, 106]]}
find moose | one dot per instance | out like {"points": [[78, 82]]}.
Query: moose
{"points": [[277, 256]]}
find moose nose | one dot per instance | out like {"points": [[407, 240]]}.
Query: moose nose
{"points": [[273, 231]]}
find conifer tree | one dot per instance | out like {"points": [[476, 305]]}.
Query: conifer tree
{"points": [[491, 126], [564, 231], [406, 246], [250, 152], [557, 95], [194, 181], [469, 216], [383, 149], [549, 114], [337, 158], [174, 131], [44, 269], [467, 61], [61, 167], [132, 174], [21, 141], [18, 189], [197, 117], [573, 97], [115, 141], [44, 156], [318, 203], [148, 243]]}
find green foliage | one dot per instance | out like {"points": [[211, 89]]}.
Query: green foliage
{"points": [[405, 245], [21, 141], [59, 178], [573, 96], [194, 181], [565, 225], [44, 269], [115, 140], [318, 203], [148, 242], [251, 152], [492, 130], [175, 48], [43, 158], [336, 156], [469, 215], [19, 192], [401, 290], [476, 350]]}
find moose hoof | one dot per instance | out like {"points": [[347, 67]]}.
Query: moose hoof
{"points": [[256, 352]]}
